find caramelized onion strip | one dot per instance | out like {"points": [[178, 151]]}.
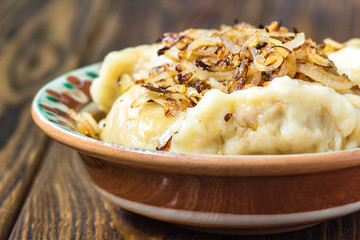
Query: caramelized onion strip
{"points": [[262, 64], [318, 74]]}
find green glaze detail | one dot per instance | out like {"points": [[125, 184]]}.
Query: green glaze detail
{"points": [[52, 99], [68, 85], [92, 74], [50, 113]]}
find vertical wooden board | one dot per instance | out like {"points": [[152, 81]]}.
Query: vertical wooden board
{"points": [[39, 40], [63, 204], [130, 23], [318, 19], [19, 161]]}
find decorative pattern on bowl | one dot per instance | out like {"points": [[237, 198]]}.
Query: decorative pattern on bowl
{"points": [[69, 91]]}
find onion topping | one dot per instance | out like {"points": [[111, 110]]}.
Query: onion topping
{"points": [[296, 42], [333, 80], [164, 141], [267, 64], [232, 58]]}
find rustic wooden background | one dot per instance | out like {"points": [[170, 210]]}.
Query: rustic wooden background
{"points": [[44, 192]]}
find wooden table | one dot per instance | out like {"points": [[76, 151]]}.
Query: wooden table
{"points": [[44, 192]]}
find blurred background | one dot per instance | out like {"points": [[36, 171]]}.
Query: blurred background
{"points": [[39, 40], [134, 22]]}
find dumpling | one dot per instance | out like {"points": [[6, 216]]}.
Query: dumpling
{"points": [[287, 116]]}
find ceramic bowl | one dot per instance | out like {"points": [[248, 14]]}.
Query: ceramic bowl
{"points": [[228, 194]]}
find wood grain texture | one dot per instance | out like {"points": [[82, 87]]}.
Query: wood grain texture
{"points": [[37, 43], [64, 198], [129, 23], [63, 204], [320, 19], [41, 39]]}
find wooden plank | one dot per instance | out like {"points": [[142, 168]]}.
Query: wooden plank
{"points": [[318, 19], [38, 41], [130, 23], [64, 204]]}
